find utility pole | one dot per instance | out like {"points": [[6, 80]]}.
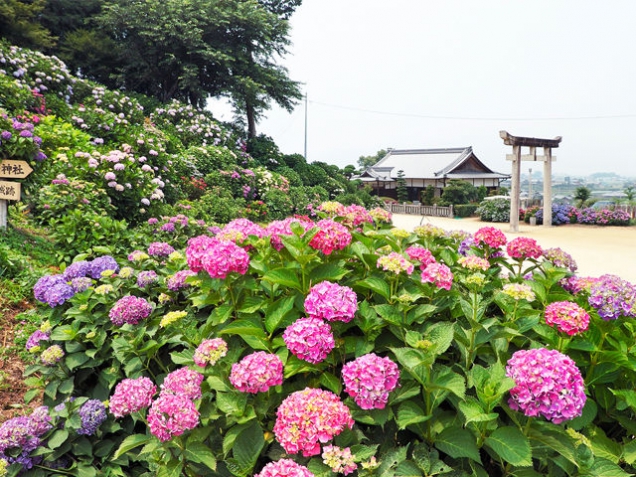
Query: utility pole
{"points": [[305, 125]]}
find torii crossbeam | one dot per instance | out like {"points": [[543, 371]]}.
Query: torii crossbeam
{"points": [[516, 157]]}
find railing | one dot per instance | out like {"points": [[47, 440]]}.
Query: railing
{"points": [[412, 209]]}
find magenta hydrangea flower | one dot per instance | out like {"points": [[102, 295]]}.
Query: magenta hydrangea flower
{"points": [[396, 263], [223, 258], [308, 417], [209, 352], [491, 236], [257, 372], [184, 382], [439, 275], [369, 379], [421, 254], [613, 297], [331, 302], [284, 468], [171, 415], [131, 395], [129, 309], [160, 249], [309, 339], [576, 285], [567, 317], [523, 247], [547, 383], [330, 236], [178, 280]]}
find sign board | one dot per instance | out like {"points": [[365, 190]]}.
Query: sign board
{"points": [[9, 190], [14, 169]]}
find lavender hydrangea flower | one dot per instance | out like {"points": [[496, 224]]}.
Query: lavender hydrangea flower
{"points": [[35, 338], [92, 413], [76, 270], [101, 264], [129, 309], [613, 297], [81, 284], [19, 437], [160, 249], [42, 286], [146, 277]]}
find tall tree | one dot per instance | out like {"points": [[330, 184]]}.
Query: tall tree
{"points": [[368, 161], [20, 25]]}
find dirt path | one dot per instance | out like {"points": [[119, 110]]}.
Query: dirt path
{"points": [[596, 249]]}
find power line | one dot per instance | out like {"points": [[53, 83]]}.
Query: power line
{"points": [[469, 118]]}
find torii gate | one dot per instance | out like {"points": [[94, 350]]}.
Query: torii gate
{"points": [[516, 157]]}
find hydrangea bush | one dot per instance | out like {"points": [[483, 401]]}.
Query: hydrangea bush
{"points": [[293, 349]]}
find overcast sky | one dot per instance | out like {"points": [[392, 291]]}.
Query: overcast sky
{"points": [[453, 73]]}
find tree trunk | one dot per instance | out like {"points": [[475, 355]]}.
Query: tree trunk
{"points": [[251, 121]]}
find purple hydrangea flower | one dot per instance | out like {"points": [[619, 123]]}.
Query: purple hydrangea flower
{"points": [[35, 338], [76, 270], [81, 284], [613, 297], [42, 286], [178, 280], [92, 413], [160, 249], [101, 264], [146, 277], [129, 309]]}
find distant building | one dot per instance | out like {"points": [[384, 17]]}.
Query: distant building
{"points": [[429, 167]]}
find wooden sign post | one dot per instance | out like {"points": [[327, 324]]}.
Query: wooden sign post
{"points": [[11, 190]]}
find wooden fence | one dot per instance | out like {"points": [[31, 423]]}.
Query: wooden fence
{"points": [[411, 209]]}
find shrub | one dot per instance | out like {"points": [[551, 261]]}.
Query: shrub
{"points": [[494, 210], [465, 210], [561, 214]]}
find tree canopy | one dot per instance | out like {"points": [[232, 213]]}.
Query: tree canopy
{"points": [[170, 49], [368, 161]]}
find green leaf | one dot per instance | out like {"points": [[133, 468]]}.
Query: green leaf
{"points": [[248, 446], [174, 468], [276, 313], [511, 446], [75, 360], [199, 452], [474, 412], [250, 327], [327, 271], [457, 442], [629, 452], [130, 443], [331, 382], [286, 277], [441, 335], [85, 470], [390, 314], [251, 305], [604, 468], [410, 413], [446, 379], [57, 439], [377, 285]]}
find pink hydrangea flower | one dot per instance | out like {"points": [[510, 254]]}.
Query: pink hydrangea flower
{"points": [[369, 379], [381, 215], [439, 275], [283, 227], [331, 302], [491, 236], [239, 229], [171, 415], [395, 263], [523, 247], [547, 383], [197, 249], [178, 280], [210, 351], [160, 249], [224, 258], [129, 309], [131, 395], [560, 258], [257, 372], [355, 215], [473, 262], [576, 285], [339, 460], [330, 236], [567, 317], [310, 339], [308, 417], [184, 382], [421, 254], [284, 468]]}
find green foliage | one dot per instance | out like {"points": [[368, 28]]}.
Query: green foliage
{"points": [[81, 232], [465, 210], [402, 192], [458, 192], [428, 195], [19, 23], [494, 210], [582, 195], [368, 161]]}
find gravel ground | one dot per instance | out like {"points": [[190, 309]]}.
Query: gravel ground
{"points": [[597, 249]]}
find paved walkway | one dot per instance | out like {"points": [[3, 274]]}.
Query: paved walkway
{"points": [[596, 249]]}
